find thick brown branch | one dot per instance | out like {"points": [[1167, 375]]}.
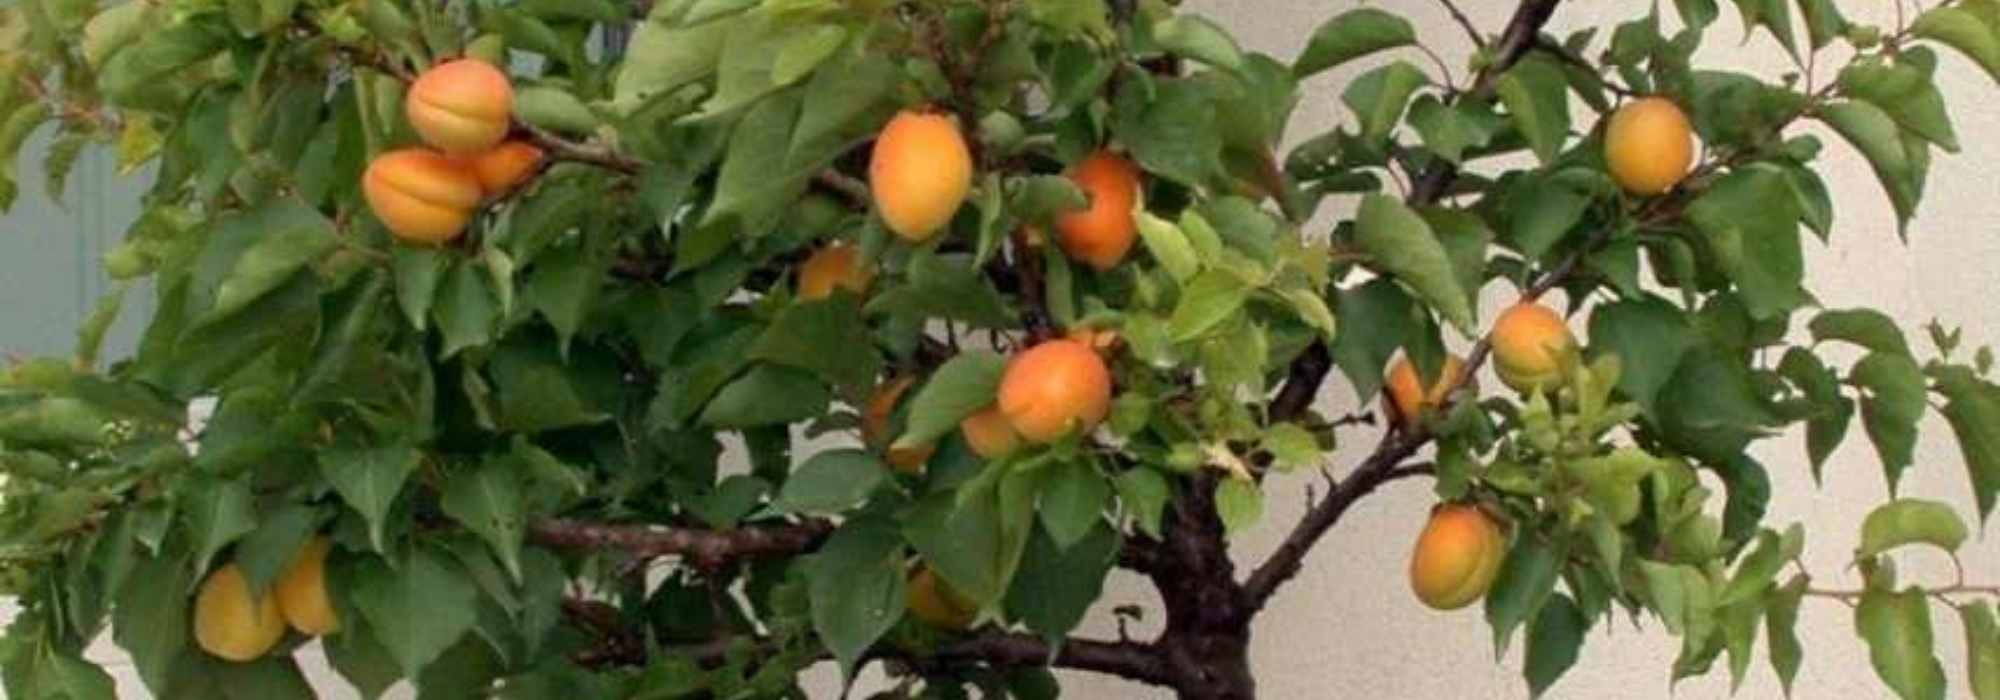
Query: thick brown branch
{"points": [[707, 548], [1129, 660]]}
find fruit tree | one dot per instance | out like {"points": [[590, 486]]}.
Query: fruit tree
{"points": [[665, 349]]}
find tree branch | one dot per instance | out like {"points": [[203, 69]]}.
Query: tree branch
{"points": [[1519, 37], [1129, 660], [707, 548]]}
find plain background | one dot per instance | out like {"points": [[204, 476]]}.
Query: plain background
{"points": [[1347, 626]]}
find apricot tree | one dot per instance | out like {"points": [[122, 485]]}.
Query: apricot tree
{"points": [[521, 322]]}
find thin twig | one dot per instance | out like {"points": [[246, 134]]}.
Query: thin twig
{"points": [[1471, 31]]}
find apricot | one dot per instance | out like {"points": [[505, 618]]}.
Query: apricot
{"points": [[230, 622], [1529, 342], [1648, 146], [835, 266], [1403, 400], [935, 603], [301, 591], [875, 427], [919, 173], [460, 107], [506, 166], [1101, 234], [1054, 388], [989, 434], [423, 197], [1457, 556]]}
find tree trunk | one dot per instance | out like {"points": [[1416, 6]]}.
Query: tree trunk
{"points": [[1207, 639]]}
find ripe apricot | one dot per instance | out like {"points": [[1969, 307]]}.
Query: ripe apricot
{"points": [[460, 107], [301, 591], [838, 265], [230, 622], [1457, 556], [1529, 342], [1101, 234], [1402, 398], [989, 434], [505, 166], [875, 427], [1648, 145], [935, 603], [1053, 388], [423, 197], [919, 173]]}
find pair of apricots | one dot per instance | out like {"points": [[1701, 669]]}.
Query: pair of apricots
{"points": [[233, 623], [1056, 388], [462, 109]]}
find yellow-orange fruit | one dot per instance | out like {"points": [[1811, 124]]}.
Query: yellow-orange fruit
{"points": [[1402, 396], [1101, 234], [1054, 388], [935, 603], [460, 107], [231, 623], [1529, 342], [1648, 146], [835, 266], [1457, 557], [423, 197], [301, 591], [875, 427], [989, 434], [506, 166], [919, 173]]}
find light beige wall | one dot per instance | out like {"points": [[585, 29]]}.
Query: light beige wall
{"points": [[1347, 627]]}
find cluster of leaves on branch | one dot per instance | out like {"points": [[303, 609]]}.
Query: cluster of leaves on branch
{"points": [[497, 402]]}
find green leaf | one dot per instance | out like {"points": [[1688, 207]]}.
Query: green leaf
{"points": [[1649, 336], [1897, 628], [1553, 643], [833, 481], [537, 390], [1144, 493], [554, 109], [767, 395], [1775, 16], [1541, 211], [1867, 328], [1291, 446], [1982, 644], [1212, 297], [1911, 521], [1824, 23], [962, 386], [661, 57], [1750, 221], [1073, 501], [1832, 412], [1378, 97], [270, 548], [1973, 409], [417, 609], [1169, 245], [1526, 579], [150, 618], [805, 50], [1696, 13], [288, 235], [1781, 618], [1239, 503], [1960, 28], [369, 480], [1875, 134], [1199, 39], [217, 513], [563, 287], [1537, 99], [1057, 585], [945, 288], [488, 502], [1376, 319], [856, 586], [974, 537], [1402, 244], [468, 311], [1890, 408], [418, 271], [827, 337], [1171, 131], [1451, 130], [1351, 35], [1757, 572], [1904, 90]]}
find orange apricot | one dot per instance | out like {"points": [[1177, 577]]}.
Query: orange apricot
{"points": [[423, 197], [875, 427], [989, 434], [460, 107], [835, 266], [1457, 556], [1648, 145], [1405, 401], [934, 602], [919, 173], [231, 621], [1054, 388], [1529, 343], [1101, 234], [506, 166]]}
